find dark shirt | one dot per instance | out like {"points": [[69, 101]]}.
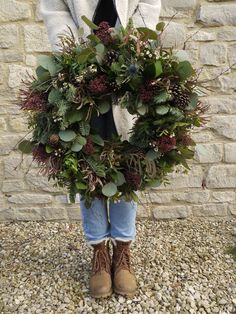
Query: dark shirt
{"points": [[105, 11]]}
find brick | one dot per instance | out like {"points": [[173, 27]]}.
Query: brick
{"points": [[212, 54], [221, 176], [36, 39], [230, 152], [12, 10], [173, 212], [8, 36], [208, 153], [217, 15], [210, 210]]}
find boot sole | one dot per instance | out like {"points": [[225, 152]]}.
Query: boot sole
{"points": [[105, 295], [128, 294]]}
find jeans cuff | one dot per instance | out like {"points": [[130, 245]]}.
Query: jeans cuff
{"points": [[93, 242], [123, 240]]}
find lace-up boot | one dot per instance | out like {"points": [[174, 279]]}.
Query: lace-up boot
{"points": [[124, 281], [100, 283]]}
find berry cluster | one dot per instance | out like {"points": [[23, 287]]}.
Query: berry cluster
{"points": [[33, 102], [99, 85], [103, 34], [133, 179], [166, 143], [147, 91], [89, 148]]}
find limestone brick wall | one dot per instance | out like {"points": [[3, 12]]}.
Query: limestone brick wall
{"points": [[208, 29]]}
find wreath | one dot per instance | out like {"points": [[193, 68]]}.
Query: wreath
{"points": [[126, 66]]}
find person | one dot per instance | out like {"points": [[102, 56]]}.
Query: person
{"points": [[100, 223]]}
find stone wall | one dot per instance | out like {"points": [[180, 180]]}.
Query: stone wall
{"points": [[207, 29]]}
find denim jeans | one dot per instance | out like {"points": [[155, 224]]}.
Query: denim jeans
{"points": [[102, 221], [105, 220]]}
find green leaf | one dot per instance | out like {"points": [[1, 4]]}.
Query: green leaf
{"points": [[80, 186], [162, 109], [89, 23], [84, 128], [160, 26], [74, 116], [162, 97], [109, 189], [67, 135], [84, 55], [148, 33], [120, 178], [153, 70], [54, 96], [193, 102], [48, 63], [100, 48], [184, 70], [151, 154], [80, 139], [76, 147], [177, 113], [154, 183], [142, 110], [42, 74], [49, 149], [104, 107], [97, 139], [93, 38], [25, 146]]}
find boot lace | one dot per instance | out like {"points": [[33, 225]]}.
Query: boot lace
{"points": [[101, 261], [123, 259]]}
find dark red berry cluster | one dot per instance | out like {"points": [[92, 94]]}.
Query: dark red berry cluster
{"points": [[103, 34], [166, 143], [99, 85]]}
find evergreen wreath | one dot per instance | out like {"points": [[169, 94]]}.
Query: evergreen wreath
{"points": [[122, 66]]}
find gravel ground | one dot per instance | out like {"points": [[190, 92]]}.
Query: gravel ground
{"points": [[181, 267]]}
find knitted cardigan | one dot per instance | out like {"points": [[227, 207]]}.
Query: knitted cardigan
{"points": [[57, 14]]}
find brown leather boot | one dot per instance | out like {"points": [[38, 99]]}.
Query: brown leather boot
{"points": [[100, 283], [124, 281]]}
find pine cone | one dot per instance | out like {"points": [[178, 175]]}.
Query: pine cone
{"points": [[181, 98], [54, 139], [110, 57]]}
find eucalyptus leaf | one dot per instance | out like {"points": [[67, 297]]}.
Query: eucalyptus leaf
{"points": [[154, 183], [109, 189], [25, 146], [80, 139], [151, 154], [104, 107], [185, 70], [142, 110], [74, 116], [162, 109], [67, 135], [100, 48], [76, 147], [42, 74], [193, 102], [94, 38], [120, 179], [48, 63], [162, 97]]}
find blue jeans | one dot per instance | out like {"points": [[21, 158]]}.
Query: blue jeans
{"points": [[115, 221]]}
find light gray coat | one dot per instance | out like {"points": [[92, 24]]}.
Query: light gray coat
{"points": [[57, 14]]}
